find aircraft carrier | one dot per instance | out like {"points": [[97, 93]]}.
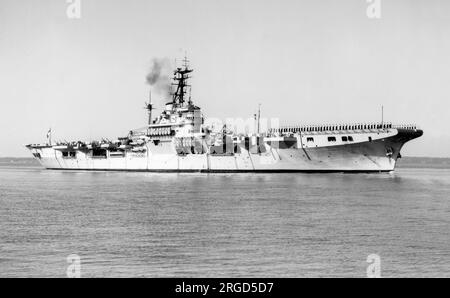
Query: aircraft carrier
{"points": [[177, 140]]}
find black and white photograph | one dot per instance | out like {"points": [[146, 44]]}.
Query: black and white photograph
{"points": [[224, 145]]}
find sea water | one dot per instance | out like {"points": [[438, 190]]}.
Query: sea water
{"points": [[224, 225]]}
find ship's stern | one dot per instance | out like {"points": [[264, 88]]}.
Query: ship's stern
{"points": [[45, 155]]}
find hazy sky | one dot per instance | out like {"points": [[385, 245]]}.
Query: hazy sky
{"points": [[304, 61]]}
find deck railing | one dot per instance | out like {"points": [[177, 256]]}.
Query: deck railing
{"points": [[340, 127]]}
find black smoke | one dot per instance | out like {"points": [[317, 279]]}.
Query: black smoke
{"points": [[159, 77]]}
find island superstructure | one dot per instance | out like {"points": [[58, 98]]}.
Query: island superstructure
{"points": [[179, 141]]}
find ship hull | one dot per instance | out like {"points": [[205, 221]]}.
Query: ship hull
{"points": [[380, 154]]}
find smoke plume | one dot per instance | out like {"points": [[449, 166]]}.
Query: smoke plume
{"points": [[159, 77]]}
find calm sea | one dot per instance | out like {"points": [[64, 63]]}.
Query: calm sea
{"points": [[225, 225]]}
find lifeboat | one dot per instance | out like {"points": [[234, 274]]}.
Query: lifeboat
{"points": [[107, 146], [139, 149], [60, 147]]}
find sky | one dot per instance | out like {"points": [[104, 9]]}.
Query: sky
{"points": [[315, 61]]}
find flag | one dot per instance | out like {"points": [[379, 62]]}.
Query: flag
{"points": [[49, 136]]}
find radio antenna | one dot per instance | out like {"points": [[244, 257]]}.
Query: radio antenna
{"points": [[259, 118]]}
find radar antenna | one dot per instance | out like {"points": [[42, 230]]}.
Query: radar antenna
{"points": [[181, 76]]}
